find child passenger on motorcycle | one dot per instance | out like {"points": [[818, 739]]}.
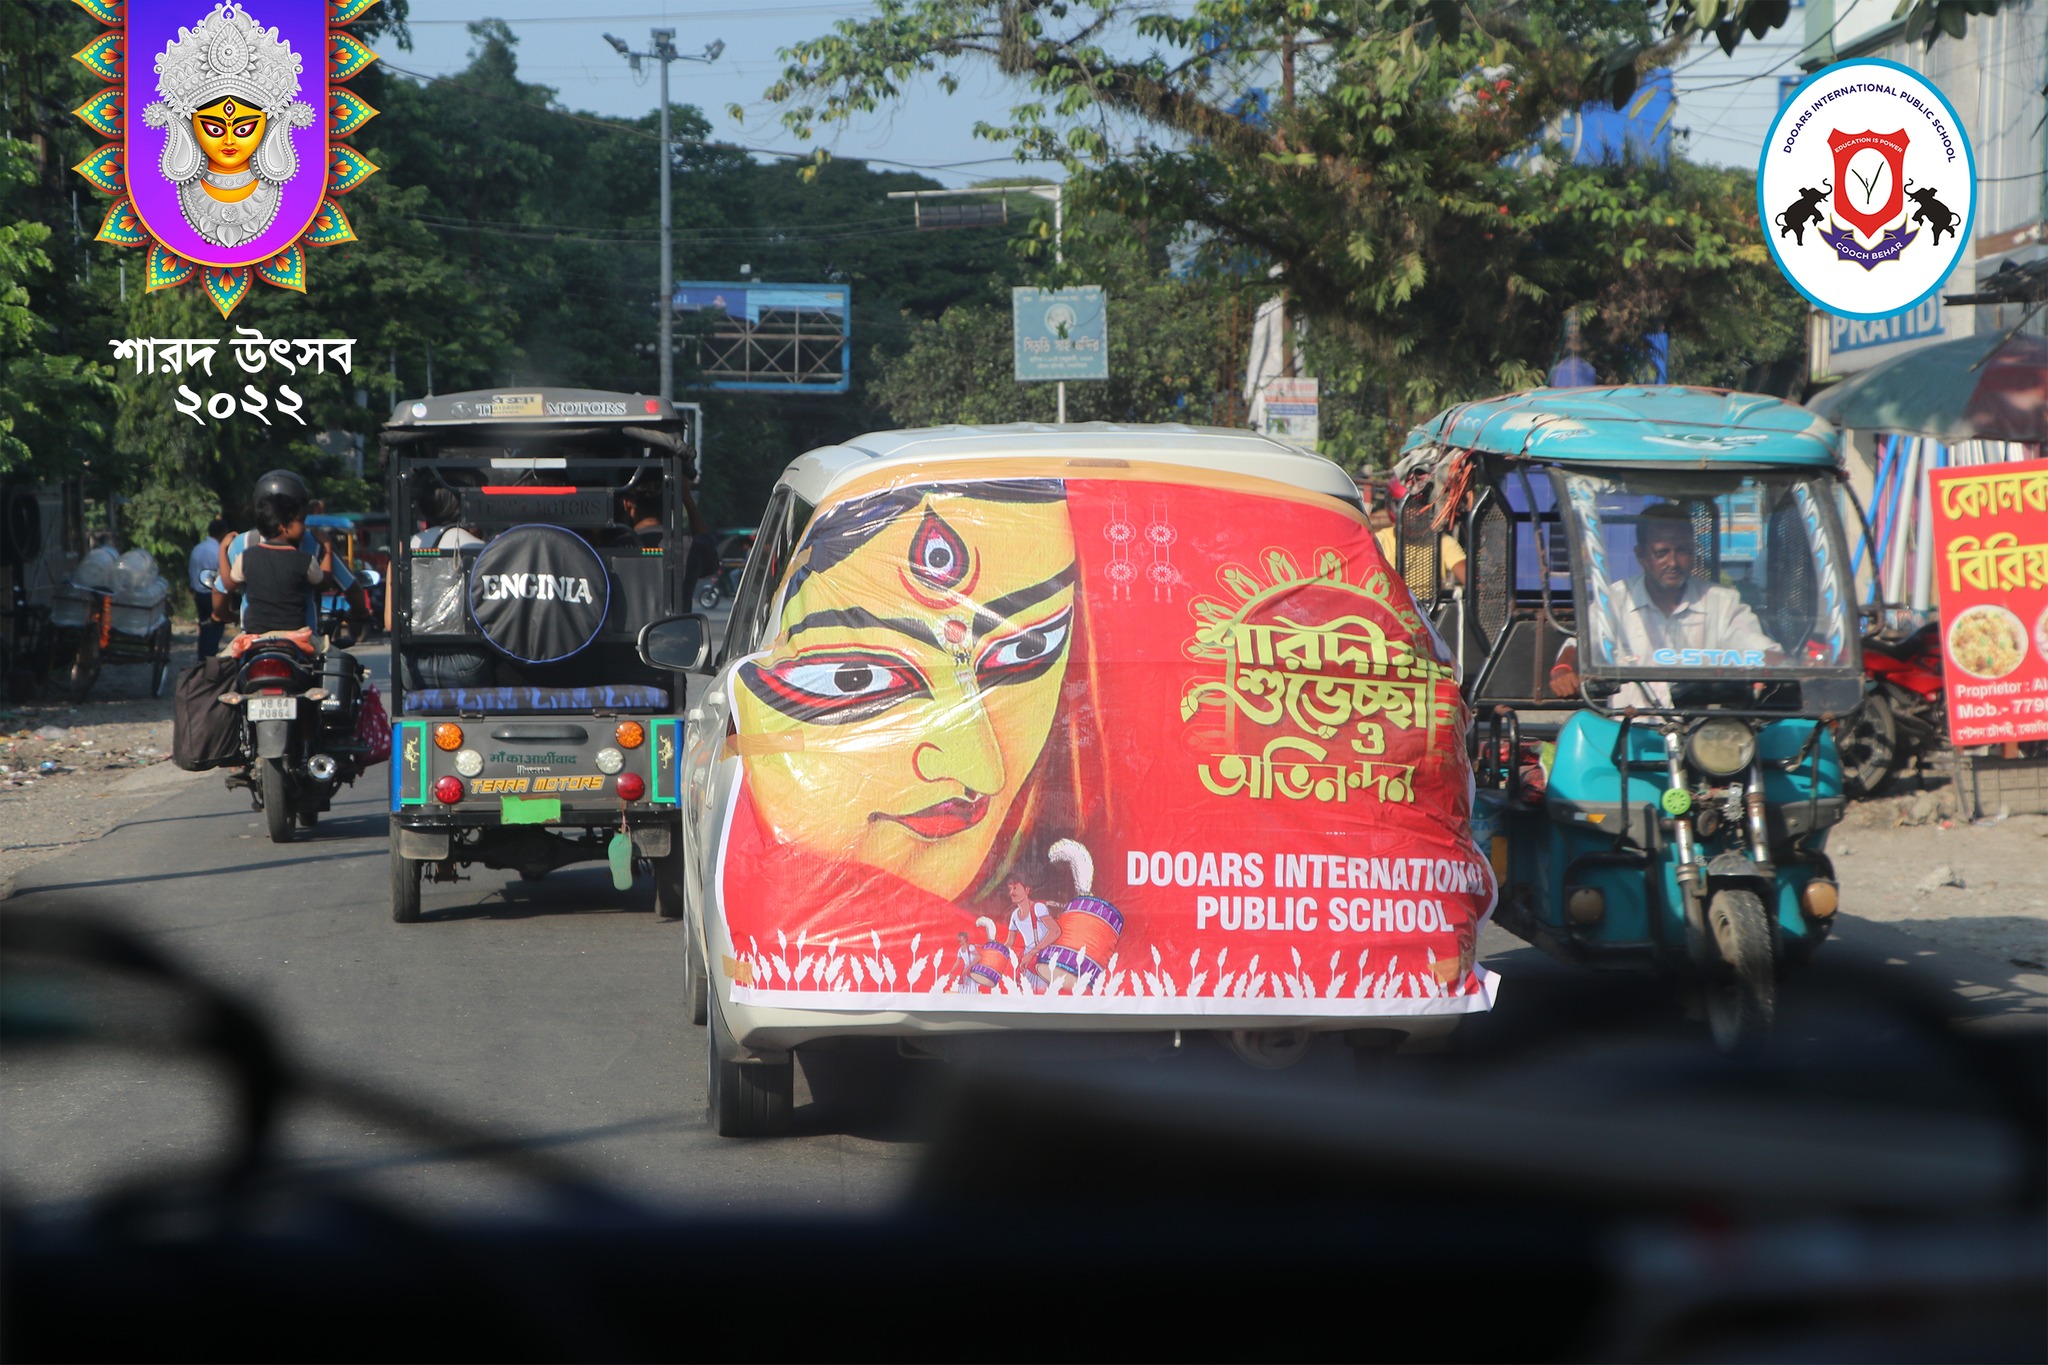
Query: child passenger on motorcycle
{"points": [[279, 578]]}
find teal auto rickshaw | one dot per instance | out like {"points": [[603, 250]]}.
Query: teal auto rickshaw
{"points": [[1656, 631]]}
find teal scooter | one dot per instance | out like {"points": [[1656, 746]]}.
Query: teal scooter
{"points": [[1657, 633]]}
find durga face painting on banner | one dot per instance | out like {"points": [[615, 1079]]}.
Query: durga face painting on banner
{"points": [[228, 166], [916, 678]]}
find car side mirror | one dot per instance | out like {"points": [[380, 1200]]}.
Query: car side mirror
{"points": [[681, 643]]}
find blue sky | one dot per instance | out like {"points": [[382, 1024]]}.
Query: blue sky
{"points": [[929, 131], [1726, 102]]}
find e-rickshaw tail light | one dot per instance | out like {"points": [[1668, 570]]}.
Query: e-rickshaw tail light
{"points": [[610, 761], [469, 762], [1819, 898], [448, 737], [630, 734], [448, 790], [1722, 748], [632, 786], [1585, 905]]}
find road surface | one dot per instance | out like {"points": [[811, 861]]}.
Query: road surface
{"points": [[547, 1014]]}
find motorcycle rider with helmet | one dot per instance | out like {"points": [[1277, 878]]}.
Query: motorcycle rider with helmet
{"points": [[280, 492]]}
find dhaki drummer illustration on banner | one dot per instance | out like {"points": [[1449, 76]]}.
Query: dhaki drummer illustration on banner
{"points": [[227, 120], [981, 772]]}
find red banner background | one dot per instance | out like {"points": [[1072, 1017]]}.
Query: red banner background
{"points": [[1991, 563]]}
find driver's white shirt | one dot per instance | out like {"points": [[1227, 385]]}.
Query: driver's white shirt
{"points": [[1708, 616]]}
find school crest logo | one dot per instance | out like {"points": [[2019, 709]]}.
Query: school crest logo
{"points": [[1867, 189], [226, 122]]}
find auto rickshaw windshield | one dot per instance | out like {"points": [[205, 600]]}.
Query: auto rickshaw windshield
{"points": [[1705, 573]]}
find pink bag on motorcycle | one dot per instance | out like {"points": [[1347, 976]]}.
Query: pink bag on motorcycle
{"points": [[373, 727]]}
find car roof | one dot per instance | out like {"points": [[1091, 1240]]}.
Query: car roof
{"points": [[1637, 424], [816, 474]]}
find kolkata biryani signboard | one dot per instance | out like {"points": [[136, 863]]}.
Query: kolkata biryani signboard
{"points": [[1991, 560]]}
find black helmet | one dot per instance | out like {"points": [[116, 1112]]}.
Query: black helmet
{"points": [[282, 482]]}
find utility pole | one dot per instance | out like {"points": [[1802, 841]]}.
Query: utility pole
{"points": [[665, 52]]}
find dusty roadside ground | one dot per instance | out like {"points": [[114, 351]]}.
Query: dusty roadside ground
{"points": [[1909, 862], [1905, 860], [71, 772]]}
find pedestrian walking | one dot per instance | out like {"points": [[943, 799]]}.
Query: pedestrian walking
{"points": [[203, 564]]}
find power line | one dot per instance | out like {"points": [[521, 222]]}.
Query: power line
{"points": [[708, 143], [1795, 55], [541, 233], [767, 232], [762, 12]]}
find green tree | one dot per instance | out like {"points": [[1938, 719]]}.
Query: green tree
{"points": [[1175, 346], [1386, 178]]}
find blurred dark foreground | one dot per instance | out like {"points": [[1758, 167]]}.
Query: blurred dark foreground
{"points": [[1597, 1186]]}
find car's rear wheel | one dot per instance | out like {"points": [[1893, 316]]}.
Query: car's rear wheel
{"points": [[668, 885], [746, 1099]]}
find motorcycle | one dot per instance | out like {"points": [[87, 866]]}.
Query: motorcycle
{"points": [[1904, 712], [344, 616], [299, 714], [733, 547]]}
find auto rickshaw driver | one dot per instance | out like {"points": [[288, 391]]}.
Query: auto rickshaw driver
{"points": [[1666, 607]]}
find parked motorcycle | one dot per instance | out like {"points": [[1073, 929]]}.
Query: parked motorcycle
{"points": [[345, 617], [299, 715], [1903, 716]]}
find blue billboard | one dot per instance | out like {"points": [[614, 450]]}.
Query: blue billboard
{"points": [[771, 338]]}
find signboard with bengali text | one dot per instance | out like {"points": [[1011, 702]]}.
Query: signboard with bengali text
{"points": [[1061, 333], [1991, 565]]}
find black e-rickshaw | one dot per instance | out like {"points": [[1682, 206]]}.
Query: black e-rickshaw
{"points": [[529, 733]]}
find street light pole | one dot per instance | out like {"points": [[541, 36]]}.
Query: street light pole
{"points": [[665, 52], [1056, 193], [665, 49]]}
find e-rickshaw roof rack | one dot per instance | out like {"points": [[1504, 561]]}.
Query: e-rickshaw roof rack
{"points": [[1673, 424], [564, 414]]}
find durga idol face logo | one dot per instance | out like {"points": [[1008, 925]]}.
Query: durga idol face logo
{"points": [[226, 122], [1867, 188]]}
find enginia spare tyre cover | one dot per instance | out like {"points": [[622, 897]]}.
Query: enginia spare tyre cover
{"points": [[539, 593]]}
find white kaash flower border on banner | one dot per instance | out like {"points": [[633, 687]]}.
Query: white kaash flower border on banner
{"points": [[1350, 985]]}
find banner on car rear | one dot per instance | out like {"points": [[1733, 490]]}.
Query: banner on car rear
{"points": [[1146, 741], [1991, 567]]}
